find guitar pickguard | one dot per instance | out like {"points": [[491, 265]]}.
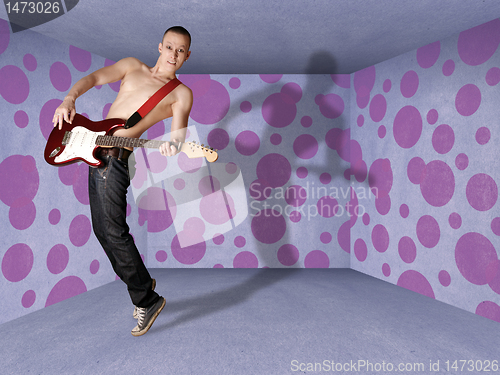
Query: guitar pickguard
{"points": [[79, 144]]}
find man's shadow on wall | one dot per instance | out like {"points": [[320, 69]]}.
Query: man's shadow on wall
{"points": [[196, 307]]}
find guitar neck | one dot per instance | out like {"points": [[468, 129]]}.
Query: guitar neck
{"points": [[113, 141]]}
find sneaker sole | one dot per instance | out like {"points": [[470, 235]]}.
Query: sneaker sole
{"points": [[135, 308], [153, 318]]}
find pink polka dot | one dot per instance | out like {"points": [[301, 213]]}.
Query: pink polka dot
{"points": [[211, 100], [79, 230], [161, 256], [245, 106], [382, 131], [363, 81], [361, 120], [247, 143], [481, 192], [468, 100], [22, 214], [325, 178], [407, 249], [57, 259], [4, 35], [15, 86], [54, 216], [17, 262], [188, 247], [94, 266], [493, 276], [187, 164], [279, 110], [473, 254], [295, 216], [495, 226], [331, 105], [386, 270], [316, 259], [416, 282], [327, 206], [383, 205], [489, 310], [306, 121], [217, 208], [270, 78], [483, 135], [409, 84], [179, 184], [407, 127], [444, 278], [378, 108], [344, 236], [478, 44], [305, 146], [461, 161], [455, 220], [80, 58], [245, 259], [21, 119], [66, 288], [218, 239], [301, 172], [325, 237], [288, 255], [404, 211], [19, 180], [493, 76], [275, 169], [342, 80], [380, 177], [387, 85], [234, 83], [366, 219], [240, 241], [380, 238], [60, 76], [438, 183], [268, 226], [428, 55], [448, 67], [432, 116], [428, 231], [275, 139], [443, 139], [28, 299], [360, 250]]}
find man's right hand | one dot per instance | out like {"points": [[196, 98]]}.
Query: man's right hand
{"points": [[65, 112]]}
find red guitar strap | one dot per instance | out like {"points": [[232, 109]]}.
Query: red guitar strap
{"points": [[152, 102]]}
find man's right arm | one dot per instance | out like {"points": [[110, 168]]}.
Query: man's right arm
{"points": [[66, 111]]}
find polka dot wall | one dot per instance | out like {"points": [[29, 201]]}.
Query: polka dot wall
{"points": [[390, 171], [426, 127]]}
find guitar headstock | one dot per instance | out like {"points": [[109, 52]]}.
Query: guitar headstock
{"points": [[194, 150]]}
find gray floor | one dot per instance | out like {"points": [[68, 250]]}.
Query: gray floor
{"points": [[250, 321]]}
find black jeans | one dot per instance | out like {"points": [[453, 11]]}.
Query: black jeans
{"points": [[108, 204]]}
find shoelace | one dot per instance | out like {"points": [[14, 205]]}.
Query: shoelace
{"points": [[141, 315]]}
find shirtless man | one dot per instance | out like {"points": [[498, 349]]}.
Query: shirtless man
{"points": [[108, 184]]}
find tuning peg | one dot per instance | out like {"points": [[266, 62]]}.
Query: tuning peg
{"points": [[202, 145]]}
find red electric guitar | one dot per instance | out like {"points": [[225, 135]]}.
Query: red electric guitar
{"points": [[79, 141]]}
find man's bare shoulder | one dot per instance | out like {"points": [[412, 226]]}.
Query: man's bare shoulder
{"points": [[185, 94], [131, 63]]}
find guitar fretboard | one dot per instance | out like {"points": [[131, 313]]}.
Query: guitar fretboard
{"points": [[113, 141]]}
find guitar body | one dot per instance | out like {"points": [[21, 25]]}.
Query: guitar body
{"points": [[60, 151]]}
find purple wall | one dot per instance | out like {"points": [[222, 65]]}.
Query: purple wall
{"points": [[425, 129], [422, 178]]}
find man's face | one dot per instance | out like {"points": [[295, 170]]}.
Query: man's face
{"points": [[174, 50]]}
